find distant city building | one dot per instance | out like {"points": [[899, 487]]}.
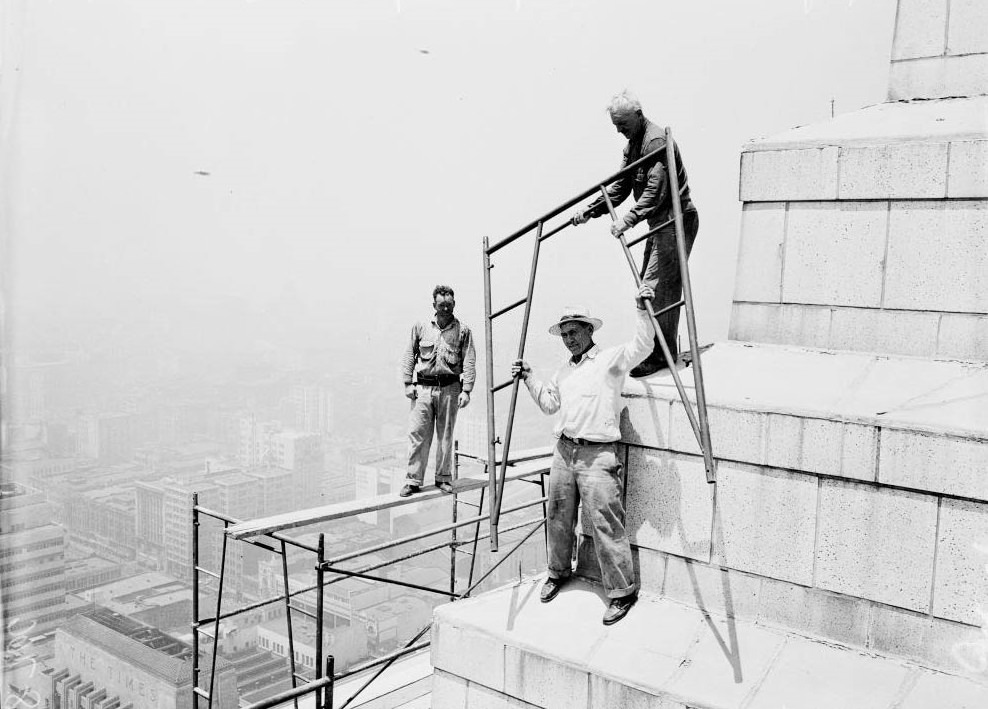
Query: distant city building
{"points": [[103, 660], [302, 454], [347, 644], [253, 449], [32, 557], [311, 404], [151, 598], [102, 521], [108, 438]]}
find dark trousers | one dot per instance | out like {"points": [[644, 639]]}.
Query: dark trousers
{"points": [[661, 271]]}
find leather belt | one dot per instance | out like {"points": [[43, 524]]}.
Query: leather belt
{"points": [[583, 441], [439, 380]]}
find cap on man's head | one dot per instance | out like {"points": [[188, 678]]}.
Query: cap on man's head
{"points": [[576, 314]]}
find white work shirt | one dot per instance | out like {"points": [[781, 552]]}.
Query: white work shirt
{"points": [[588, 393]]}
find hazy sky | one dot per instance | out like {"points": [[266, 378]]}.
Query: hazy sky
{"points": [[357, 152]]}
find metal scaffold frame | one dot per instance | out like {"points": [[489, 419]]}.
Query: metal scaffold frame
{"points": [[267, 533], [697, 417]]}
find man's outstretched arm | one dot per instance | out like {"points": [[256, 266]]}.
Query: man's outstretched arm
{"points": [[545, 395]]}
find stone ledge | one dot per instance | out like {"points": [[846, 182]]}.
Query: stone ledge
{"points": [[939, 121], [933, 397], [663, 656]]}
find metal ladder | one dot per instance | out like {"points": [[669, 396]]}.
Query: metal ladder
{"points": [[697, 417]]}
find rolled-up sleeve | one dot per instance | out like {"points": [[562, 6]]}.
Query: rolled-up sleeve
{"points": [[469, 358], [411, 352], [633, 352], [544, 394]]}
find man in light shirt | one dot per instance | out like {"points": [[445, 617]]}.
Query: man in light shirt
{"points": [[440, 356], [586, 392]]}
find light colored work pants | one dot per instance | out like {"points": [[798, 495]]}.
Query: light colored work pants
{"points": [[434, 408], [591, 473]]}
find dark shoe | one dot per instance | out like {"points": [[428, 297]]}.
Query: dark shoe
{"points": [[550, 589], [445, 486], [648, 368], [409, 490], [619, 608]]}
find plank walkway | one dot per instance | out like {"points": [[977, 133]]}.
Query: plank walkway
{"points": [[524, 464]]}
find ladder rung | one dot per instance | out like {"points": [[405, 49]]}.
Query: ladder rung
{"points": [[206, 633], [470, 504], [670, 307], [639, 239], [508, 308], [501, 386], [201, 692], [301, 610], [296, 675], [207, 572]]}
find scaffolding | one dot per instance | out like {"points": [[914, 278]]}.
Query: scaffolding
{"points": [[269, 534]]}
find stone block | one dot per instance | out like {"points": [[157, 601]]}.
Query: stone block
{"points": [[448, 691], [834, 253], [469, 653], [911, 170], [608, 693], [811, 675], [901, 332], [480, 697], [966, 29], [940, 464], [542, 681], [939, 77], [789, 175], [944, 692], [734, 434], [876, 543], [932, 642], [821, 446], [643, 659], [766, 521], [810, 611], [803, 325], [645, 422], [730, 658], [651, 569], [961, 582], [859, 452], [920, 29], [936, 259], [968, 175], [669, 503], [712, 589], [759, 271], [963, 336]]}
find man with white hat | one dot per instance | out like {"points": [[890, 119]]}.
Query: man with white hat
{"points": [[586, 392]]}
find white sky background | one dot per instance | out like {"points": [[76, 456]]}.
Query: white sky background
{"points": [[350, 171]]}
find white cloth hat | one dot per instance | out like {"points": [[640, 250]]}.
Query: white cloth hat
{"points": [[576, 314]]}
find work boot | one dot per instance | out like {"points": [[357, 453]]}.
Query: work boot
{"points": [[409, 490], [445, 486], [655, 362], [619, 608], [550, 589]]}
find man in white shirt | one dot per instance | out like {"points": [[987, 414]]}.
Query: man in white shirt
{"points": [[586, 392]]}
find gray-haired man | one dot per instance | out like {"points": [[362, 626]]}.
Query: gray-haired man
{"points": [[653, 202], [586, 392]]}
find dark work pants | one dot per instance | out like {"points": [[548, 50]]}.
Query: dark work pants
{"points": [[661, 271]]}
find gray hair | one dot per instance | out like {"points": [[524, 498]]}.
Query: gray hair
{"points": [[624, 102]]}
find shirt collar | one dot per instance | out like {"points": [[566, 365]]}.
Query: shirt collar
{"points": [[451, 323], [589, 354]]}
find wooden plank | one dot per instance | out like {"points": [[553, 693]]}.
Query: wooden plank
{"points": [[530, 467]]}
